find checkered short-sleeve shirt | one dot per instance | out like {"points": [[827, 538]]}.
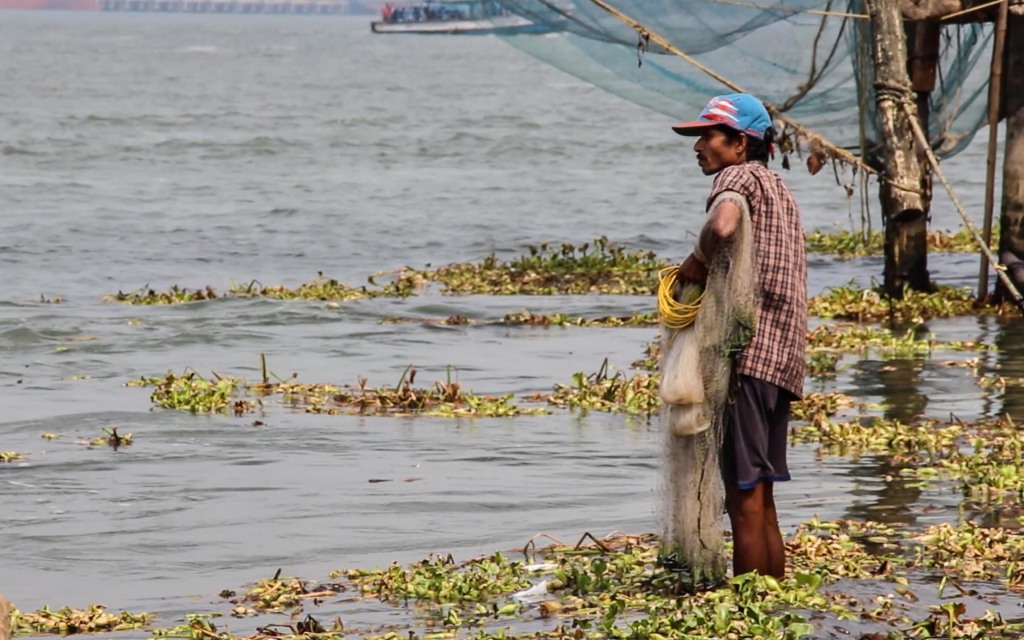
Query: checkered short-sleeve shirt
{"points": [[776, 354]]}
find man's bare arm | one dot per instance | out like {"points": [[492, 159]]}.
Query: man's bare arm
{"points": [[721, 225]]}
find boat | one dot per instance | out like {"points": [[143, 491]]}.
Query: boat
{"points": [[466, 17]]}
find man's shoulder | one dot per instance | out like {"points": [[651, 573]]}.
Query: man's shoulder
{"points": [[738, 177]]}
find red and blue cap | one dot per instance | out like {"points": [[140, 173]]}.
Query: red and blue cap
{"points": [[740, 111]]}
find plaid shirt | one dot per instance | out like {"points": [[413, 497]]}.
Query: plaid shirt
{"points": [[776, 354]]}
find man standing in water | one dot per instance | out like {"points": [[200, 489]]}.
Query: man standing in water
{"points": [[734, 144]]}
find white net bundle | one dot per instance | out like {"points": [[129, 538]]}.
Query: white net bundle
{"points": [[693, 495]]}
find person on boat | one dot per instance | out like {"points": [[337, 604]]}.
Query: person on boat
{"points": [[734, 142]]}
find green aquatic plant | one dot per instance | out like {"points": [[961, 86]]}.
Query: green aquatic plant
{"points": [[440, 580], [320, 288], [197, 626], [528, 318], [605, 391], [870, 305], [219, 394], [822, 366], [856, 338], [192, 392], [546, 269], [69, 621], [971, 552], [844, 244], [446, 399], [276, 594], [817, 405], [646, 319], [923, 442], [174, 295]]}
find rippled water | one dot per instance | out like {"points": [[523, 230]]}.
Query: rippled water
{"points": [[159, 150]]}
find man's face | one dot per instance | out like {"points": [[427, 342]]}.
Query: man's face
{"points": [[716, 152]]}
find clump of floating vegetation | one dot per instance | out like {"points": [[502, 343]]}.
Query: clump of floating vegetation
{"points": [[846, 244], [174, 295], [277, 594], [68, 621], [10, 456], [190, 391], [854, 338], [597, 267], [441, 580], [320, 288], [870, 305], [111, 438], [445, 398], [605, 391], [985, 458], [528, 318]]}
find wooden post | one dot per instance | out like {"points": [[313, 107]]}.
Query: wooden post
{"points": [[1011, 220], [995, 96], [904, 201]]}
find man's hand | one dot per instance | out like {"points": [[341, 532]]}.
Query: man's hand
{"points": [[692, 270]]}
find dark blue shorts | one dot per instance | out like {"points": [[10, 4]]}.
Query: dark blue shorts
{"points": [[756, 426]]}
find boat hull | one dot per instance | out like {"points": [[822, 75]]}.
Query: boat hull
{"points": [[498, 25]]}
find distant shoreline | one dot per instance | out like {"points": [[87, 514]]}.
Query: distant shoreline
{"points": [[232, 7]]}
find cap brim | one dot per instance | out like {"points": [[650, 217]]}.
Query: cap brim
{"points": [[692, 128]]}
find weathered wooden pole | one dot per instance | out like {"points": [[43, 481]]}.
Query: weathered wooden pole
{"points": [[995, 97], [903, 198], [1011, 220]]}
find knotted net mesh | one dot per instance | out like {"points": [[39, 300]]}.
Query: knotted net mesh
{"points": [[811, 58], [692, 493]]}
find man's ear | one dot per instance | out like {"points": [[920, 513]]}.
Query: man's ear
{"points": [[742, 141]]}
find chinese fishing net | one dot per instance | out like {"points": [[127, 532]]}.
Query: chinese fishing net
{"points": [[696, 367], [810, 58]]}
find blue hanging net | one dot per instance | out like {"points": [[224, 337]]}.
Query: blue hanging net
{"points": [[810, 58]]}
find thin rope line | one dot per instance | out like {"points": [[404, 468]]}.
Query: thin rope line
{"points": [[922, 140], [950, 16]]}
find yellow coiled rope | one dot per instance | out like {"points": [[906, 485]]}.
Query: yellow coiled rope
{"points": [[674, 314]]}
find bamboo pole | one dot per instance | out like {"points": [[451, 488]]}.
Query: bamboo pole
{"points": [[995, 98]]}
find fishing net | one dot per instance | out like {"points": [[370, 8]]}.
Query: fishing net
{"points": [[810, 58], [693, 495]]}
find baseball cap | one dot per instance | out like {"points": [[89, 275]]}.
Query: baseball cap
{"points": [[740, 111]]}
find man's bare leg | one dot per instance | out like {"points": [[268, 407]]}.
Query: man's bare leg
{"points": [[772, 535], [746, 508]]}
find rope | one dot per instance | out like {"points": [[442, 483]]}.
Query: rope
{"points": [[648, 35], [922, 140], [674, 314], [817, 12], [992, 3]]}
